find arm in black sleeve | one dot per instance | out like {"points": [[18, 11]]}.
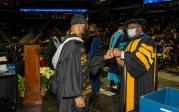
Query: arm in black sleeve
{"points": [[135, 67], [95, 63]]}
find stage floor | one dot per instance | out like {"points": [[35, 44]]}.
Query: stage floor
{"points": [[106, 101]]}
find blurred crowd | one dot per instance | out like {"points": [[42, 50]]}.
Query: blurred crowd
{"points": [[163, 29]]}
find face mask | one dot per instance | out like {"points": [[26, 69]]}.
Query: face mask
{"points": [[91, 33], [131, 32]]}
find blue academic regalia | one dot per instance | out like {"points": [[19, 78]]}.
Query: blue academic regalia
{"points": [[118, 40], [95, 50]]}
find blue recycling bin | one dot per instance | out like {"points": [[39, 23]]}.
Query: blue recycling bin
{"points": [[165, 100]]}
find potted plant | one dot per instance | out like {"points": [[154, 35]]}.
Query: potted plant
{"points": [[45, 79], [21, 85]]}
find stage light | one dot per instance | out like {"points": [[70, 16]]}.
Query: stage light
{"points": [[76, 10], [155, 1]]}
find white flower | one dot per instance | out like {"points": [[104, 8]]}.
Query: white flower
{"points": [[47, 72]]}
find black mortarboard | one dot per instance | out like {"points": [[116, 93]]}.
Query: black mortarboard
{"points": [[138, 21], [78, 19]]}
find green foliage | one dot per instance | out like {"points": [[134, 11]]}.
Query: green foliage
{"points": [[21, 83], [45, 82], [45, 77]]}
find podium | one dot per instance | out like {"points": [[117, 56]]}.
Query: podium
{"points": [[32, 75]]}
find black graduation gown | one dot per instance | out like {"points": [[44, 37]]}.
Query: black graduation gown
{"points": [[139, 73], [72, 75]]}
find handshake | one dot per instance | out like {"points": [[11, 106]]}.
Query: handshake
{"points": [[114, 53]]}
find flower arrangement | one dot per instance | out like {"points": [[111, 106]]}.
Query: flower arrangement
{"points": [[21, 85], [45, 77]]}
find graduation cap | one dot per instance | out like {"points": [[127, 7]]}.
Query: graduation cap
{"points": [[137, 21], [78, 19]]}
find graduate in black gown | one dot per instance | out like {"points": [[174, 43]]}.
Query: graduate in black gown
{"points": [[71, 82]]}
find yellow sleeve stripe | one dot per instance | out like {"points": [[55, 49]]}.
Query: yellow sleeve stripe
{"points": [[134, 45], [147, 54], [154, 55], [143, 59], [150, 48]]}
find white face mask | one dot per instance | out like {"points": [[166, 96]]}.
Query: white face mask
{"points": [[131, 32]]}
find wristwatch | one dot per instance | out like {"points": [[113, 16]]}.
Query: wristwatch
{"points": [[121, 55]]}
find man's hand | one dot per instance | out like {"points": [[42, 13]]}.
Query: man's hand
{"points": [[80, 103], [120, 61], [116, 52], [109, 54]]}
